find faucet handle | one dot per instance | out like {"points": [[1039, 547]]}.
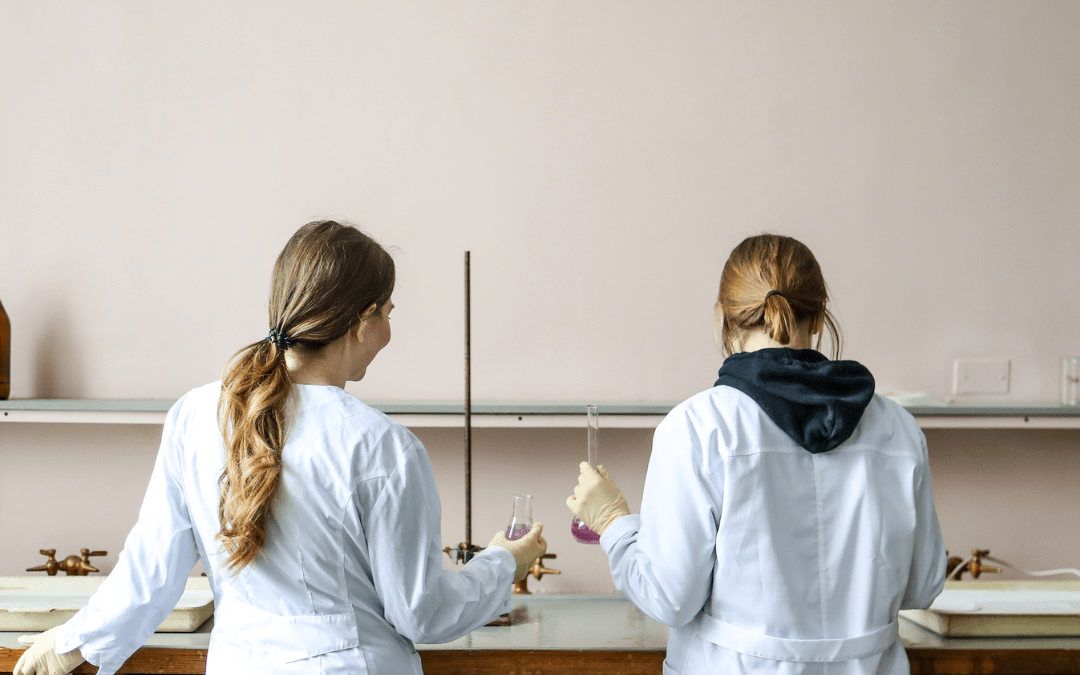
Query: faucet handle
{"points": [[81, 567], [538, 570], [51, 566], [976, 567]]}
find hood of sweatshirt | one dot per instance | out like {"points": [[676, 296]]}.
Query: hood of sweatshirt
{"points": [[817, 402]]}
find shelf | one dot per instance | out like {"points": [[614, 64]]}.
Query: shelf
{"points": [[566, 415], [431, 414], [937, 414]]}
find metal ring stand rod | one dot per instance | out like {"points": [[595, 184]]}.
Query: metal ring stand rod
{"points": [[468, 552]]}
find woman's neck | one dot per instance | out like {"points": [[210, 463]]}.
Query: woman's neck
{"points": [[753, 339], [325, 366]]}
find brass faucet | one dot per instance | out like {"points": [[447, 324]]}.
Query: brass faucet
{"points": [[73, 564], [537, 570], [974, 566], [463, 553]]}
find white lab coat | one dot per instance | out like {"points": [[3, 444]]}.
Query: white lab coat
{"points": [[351, 574], [765, 558]]}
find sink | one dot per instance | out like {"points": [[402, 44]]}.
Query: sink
{"points": [[37, 603], [1002, 608]]}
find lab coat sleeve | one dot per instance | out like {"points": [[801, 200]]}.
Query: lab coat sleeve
{"points": [[149, 576], [663, 560], [928, 562], [424, 602]]}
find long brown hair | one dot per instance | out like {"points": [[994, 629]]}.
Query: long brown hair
{"points": [[766, 263], [324, 279]]}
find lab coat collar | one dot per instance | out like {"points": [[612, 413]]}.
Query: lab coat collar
{"points": [[815, 401]]}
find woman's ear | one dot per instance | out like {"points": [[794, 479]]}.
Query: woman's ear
{"points": [[357, 331]]}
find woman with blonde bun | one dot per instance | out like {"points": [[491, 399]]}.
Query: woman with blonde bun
{"points": [[787, 514], [316, 516]]}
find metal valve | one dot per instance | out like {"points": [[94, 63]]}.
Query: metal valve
{"points": [[537, 570], [74, 565], [463, 553], [973, 566]]}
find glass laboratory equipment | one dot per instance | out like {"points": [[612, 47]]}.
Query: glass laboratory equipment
{"points": [[1070, 380], [521, 520], [577, 528], [5, 354]]}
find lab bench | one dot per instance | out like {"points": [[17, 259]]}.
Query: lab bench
{"points": [[606, 634]]}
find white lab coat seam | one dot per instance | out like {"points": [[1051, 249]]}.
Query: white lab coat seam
{"points": [[822, 558], [304, 580]]}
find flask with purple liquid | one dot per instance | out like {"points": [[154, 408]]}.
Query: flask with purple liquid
{"points": [[521, 521], [577, 528]]}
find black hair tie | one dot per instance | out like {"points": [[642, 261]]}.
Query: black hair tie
{"points": [[279, 338], [772, 293]]}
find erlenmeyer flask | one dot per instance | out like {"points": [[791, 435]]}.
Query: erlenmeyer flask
{"points": [[521, 520], [577, 528]]}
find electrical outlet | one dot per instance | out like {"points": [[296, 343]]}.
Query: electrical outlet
{"points": [[981, 376]]}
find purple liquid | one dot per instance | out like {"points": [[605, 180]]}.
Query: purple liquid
{"points": [[517, 531], [583, 534]]}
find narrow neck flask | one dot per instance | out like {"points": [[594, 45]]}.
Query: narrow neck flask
{"points": [[521, 520], [593, 413], [581, 533]]}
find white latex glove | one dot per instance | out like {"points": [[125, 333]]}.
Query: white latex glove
{"points": [[42, 659], [525, 550], [597, 501]]}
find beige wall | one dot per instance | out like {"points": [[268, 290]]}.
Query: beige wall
{"points": [[599, 158], [69, 487]]}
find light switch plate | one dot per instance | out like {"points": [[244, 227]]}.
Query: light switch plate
{"points": [[981, 376]]}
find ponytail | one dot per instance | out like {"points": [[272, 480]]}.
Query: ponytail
{"points": [[779, 318], [251, 412]]}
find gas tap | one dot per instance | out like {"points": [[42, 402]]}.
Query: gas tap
{"points": [[74, 565], [537, 570], [957, 566]]}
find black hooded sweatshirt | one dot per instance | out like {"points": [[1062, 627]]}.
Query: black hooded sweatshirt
{"points": [[815, 401]]}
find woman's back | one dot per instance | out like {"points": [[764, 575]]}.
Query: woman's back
{"points": [[820, 544], [350, 574], [335, 578], [802, 546]]}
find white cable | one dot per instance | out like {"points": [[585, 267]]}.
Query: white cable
{"points": [[1040, 573]]}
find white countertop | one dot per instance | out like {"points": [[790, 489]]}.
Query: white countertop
{"points": [[599, 623], [570, 622]]}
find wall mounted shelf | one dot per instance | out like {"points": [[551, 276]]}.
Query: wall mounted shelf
{"points": [[567, 415]]}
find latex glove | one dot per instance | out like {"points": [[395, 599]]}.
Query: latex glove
{"points": [[42, 659], [525, 550], [597, 501]]}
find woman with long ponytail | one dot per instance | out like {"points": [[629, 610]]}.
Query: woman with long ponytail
{"points": [[316, 516]]}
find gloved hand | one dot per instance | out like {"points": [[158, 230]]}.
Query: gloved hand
{"points": [[526, 550], [42, 659], [597, 501]]}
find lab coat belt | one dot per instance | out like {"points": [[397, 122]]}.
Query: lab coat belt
{"points": [[293, 637], [748, 642]]}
